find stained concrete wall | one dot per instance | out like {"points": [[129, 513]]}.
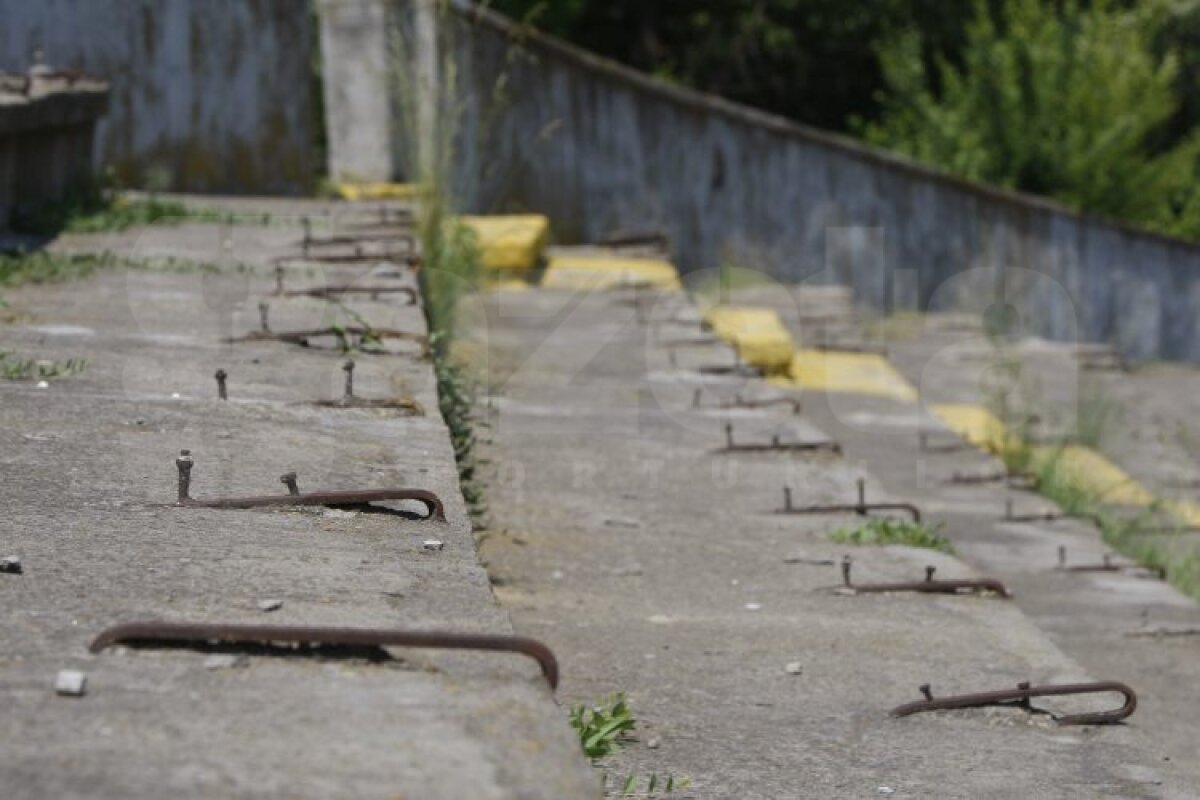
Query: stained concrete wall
{"points": [[601, 148], [208, 94]]}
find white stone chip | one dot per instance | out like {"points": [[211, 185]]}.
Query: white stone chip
{"points": [[753, 606], [42, 385], [226, 661], [433, 544], [270, 605], [794, 668], [70, 683]]}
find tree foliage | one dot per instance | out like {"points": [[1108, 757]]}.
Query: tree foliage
{"points": [[1069, 100]]}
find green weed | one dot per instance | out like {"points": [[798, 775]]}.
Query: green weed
{"points": [[601, 728], [633, 785], [883, 531], [16, 369]]}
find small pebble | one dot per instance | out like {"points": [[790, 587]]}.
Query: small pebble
{"points": [[886, 790], [557, 575], [753, 606], [70, 683], [433, 544], [653, 742], [11, 565], [794, 668], [174, 395], [42, 385], [270, 605], [226, 661]]}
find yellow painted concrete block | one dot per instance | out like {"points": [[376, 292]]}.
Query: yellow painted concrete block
{"points": [[512, 243], [850, 373], [506, 283], [1091, 472], [975, 424], [1077, 465], [757, 334], [376, 191], [595, 272]]}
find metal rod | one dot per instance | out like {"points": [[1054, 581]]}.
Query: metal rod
{"points": [[348, 368], [860, 508], [184, 464], [264, 323], [221, 376], [1021, 696], [927, 586], [167, 634], [288, 479]]}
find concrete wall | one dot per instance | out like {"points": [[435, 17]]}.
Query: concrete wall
{"points": [[213, 95], [598, 147], [47, 126]]}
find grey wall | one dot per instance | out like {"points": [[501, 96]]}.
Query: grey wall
{"points": [[212, 94], [599, 148]]}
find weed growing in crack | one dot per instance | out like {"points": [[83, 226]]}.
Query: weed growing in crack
{"points": [[882, 532]]}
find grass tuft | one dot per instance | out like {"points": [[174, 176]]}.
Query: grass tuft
{"points": [[883, 532]]}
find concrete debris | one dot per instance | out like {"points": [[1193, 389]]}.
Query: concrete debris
{"points": [[70, 683], [11, 565], [270, 605], [433, 544], [794, 668], [337, 513]]}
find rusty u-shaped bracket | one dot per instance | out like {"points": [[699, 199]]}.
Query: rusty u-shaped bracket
{"points": [[862, 507], [1021, 696], [740, 402], [1107, 565], [929, 585], [331, 292], [201, 635], [776, 445], [354, 497]]}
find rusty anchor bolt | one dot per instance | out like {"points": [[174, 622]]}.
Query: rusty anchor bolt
{"points": [[307, 223], [289, 480], [279, 279], [184, 463], [221, 392], [348, 368], [729, 435], [263, 310], [929, 573], [846, 570]]}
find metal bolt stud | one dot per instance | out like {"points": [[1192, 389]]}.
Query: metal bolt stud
{"points": [[221, 392], [729, 435], [1062, 556], [348, 368], [304, 245], [184, 464], [929, 570], [787, 498], [846, 570], [263, 310], [862, 496], [926, 690], [279, 278], [696, 398], [1008, 513], [289, 480]]}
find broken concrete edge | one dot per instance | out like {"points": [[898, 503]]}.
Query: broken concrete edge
{"points": [[52, 102]]}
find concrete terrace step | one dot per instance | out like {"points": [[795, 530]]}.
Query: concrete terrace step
{"points": [[87, 481], [653, 564]]}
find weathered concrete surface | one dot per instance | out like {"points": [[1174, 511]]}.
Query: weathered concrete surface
{"points": [[550, 128], [654, 566], [87, 476], [47, 124], [359, 109], [206, 95], [1090, 616]]}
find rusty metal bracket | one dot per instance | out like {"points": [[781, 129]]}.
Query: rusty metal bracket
{"points": [[862, 507], [928, 586], [333, 292], [343, 333], [350, 400], [776, 445], [1107, 565], [740, 402], [948, 447], [1021, 696], [312, 640], [333, 499]]}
